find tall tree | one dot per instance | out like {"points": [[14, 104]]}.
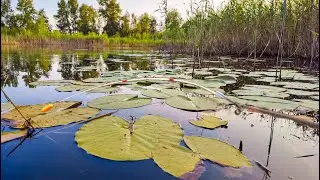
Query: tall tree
{"points": [[153, 25], [125, 25], [87, 20], [144, 22], [26, 13], [41, 25], [6, 12], [62, 17], [73, 8], [110, 10]]}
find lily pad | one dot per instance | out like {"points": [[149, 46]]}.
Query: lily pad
{"points": [[110, 137], [265, 99], [106, 89], [217, 151], [32, 111], [264, 88], [308, 103], [225, 78], [315, 97], [301, 93], [260, 92], [192, 103], [8, 136], [6, 106], [72, 87], [63, 117], [296, 85], [266, 79], [202, 91], [161, 94], [119, 101], [51, 83], [209, 122]]}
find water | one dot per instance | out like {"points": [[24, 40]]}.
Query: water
{"points": [[273, 143]]}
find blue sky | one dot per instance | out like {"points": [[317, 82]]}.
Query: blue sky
{"points": [[132, 6]]}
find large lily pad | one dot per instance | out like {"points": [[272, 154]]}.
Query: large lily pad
{"points": [[225, 78], [263, 88], [110, 138], [265, 99], [152, 137], [202, 91], [106, 89], [209, 122], [260, 92], [119, 101], [296, 85], [162, 93], [217, 151], [8, 136], [6, 106], [192, 103], [31, 111]]}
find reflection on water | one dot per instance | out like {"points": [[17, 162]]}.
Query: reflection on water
{"points": [[273, 142]]}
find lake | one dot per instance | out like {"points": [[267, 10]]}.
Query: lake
{"points": [[273, 142]]}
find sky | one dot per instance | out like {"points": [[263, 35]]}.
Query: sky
{"points": [[132, 6]]}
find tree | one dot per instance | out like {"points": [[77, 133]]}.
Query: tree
{"points": [[110, 10], [6, 13], [153, 25], [144, 22], [41, 25], [62, 17], [73, 8], [26, 13], [87, 20], [125, 25]]}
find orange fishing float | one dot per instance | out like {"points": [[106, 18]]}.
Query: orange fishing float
{"points": [[47, 108]]}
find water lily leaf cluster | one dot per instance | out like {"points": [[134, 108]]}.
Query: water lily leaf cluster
{"points": [[152, 137]]}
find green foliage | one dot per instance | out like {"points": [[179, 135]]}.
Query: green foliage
{"points": [[26, 13], [62, 17], [74, 14], [110, 10], [87, 21]]}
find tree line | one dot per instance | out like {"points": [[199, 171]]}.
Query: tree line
{"points": [[72, 18]]}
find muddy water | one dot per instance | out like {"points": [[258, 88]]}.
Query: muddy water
{"points": [[272, 142]]}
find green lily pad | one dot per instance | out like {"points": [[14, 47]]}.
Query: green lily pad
{"points": [[9, 136], [51, 83], [161, 94], [208, 83], [106, 89], [301, 93], [315, 97], [6, 106], [72, 87], [265, 99], [217, 151], [266, 79], [209, 122], [296, 85], [260, 92], [202, 91], [264, 88], [110, 138], [119, 101], [32, 111], [308, 103], [192, 103]]}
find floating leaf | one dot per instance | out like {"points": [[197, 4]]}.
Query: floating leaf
{"points": [[266, 79], [192, 103], [263, 88], [6, 106], [8, 136], [110, 138], [63, 117], [161, 94], [217, 151], [209, 122], [175, 160], [119, 101], [265, 99], [31, 111], [296, 85], [72, 87], [308, 103], [51, 83], [225, 78], [301, 93], [315, 97], [202, 91], [106, 89]]}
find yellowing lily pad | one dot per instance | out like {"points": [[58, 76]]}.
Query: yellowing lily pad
{"points": [[110, 138], [175, 160], [209, 122], [192, 103], [31, 111], [6, 106], [217, 151], [8, 136], [63, 117], [119, 101]]}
